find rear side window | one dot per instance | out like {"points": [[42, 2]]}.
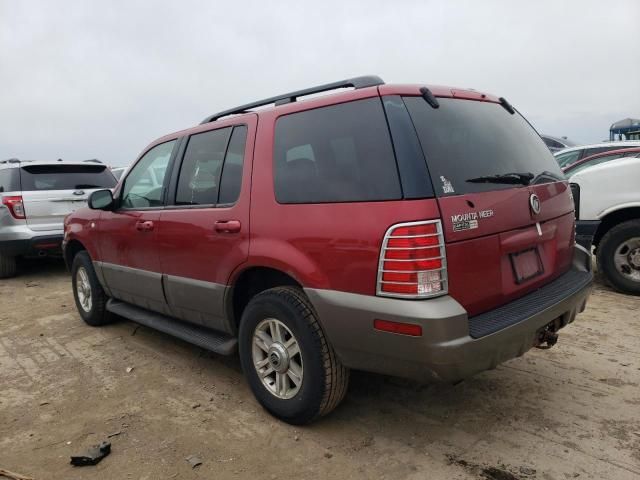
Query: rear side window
{"points": [[9, 180], [65, 177], [468, 142], [201, 168], [340, 153], [211, 171], [231, 179]]}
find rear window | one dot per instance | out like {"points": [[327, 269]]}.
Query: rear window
{"points": [[9, 181], [65, 177], [466, 141], [340, 153]]}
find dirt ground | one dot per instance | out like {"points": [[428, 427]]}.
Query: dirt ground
{"points": [[569, 412]]}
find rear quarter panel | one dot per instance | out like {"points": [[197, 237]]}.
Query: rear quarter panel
{"points": [[328, 246]]}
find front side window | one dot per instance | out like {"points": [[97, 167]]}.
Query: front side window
{"points": [[340, 153], [199, 179], [144, 185]]}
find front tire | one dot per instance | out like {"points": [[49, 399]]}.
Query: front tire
{"points": [[290, 366], [8, 267], [90, 298], [618, 257]]}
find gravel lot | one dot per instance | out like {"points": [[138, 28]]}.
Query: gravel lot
{"points": [[569, 412]]}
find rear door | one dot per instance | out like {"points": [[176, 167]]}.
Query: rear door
{"points": [[127, 236], [52, 191], [204, 231], [506, 208]]}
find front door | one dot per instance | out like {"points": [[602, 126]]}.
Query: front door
{"points": [[204, 230], [127, 236]]}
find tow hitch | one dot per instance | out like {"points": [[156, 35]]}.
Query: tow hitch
{"points": [[548, 337]]}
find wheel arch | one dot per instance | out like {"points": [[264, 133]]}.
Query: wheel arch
{"points": [[611, 218], [249, 282], [71, 249]]}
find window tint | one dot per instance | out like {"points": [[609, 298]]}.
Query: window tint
{"points": [[231, 180], [9, 181], [201, 168], [65, 177], [144, 185], [340, 153], [467, 142], [568, 158], [416, 182]]}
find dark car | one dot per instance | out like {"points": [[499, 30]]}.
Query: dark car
{"points": [[556, 143]]}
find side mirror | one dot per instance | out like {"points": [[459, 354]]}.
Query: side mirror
{"points": [[101, 200]]}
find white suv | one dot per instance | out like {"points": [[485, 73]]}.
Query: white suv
{"points": [[35, 196], [607, 203]]}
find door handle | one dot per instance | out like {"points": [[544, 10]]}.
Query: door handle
{"points": [[144, 225], [228, 226]]}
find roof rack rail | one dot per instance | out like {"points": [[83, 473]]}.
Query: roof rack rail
{"points": [[10, 160], [356, 82]]}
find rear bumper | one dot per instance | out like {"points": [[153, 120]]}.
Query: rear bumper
{"points": [[446, 351], [31, 246], [585, 231]]}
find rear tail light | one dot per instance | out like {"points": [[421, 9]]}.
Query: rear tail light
{"points": [[413, 261], [15, 206]]}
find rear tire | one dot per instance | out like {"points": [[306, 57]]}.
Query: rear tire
{"points": [[618, 252], [284, 317], [8, 267], [91, 301]]}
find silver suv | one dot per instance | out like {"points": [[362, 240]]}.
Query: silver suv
{"points": [[35, 196]]}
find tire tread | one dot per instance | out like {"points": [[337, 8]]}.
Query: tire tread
{"points": [[336, 379]]}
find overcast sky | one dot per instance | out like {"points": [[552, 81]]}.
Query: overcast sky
{"points": [[103, 79]]}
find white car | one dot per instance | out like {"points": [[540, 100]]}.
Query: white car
{"points": [[607, 200]]}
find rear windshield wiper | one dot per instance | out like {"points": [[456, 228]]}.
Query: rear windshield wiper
{"points": [[508, 178], [87, 185], [546, 175]]}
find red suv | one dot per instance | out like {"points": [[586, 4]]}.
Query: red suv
{"points": [[422, 232]]}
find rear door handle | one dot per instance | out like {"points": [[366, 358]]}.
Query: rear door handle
{"points": [[228, 226], [144, 225]]}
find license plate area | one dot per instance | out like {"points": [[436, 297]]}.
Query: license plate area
{"points": [[526, 265]]}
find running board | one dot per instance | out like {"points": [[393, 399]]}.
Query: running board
{"points": [[200, 336]]}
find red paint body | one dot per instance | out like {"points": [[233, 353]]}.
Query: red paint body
{"points": [[335, 246]]}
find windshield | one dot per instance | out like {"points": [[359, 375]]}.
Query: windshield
{"points": [[66, 177], [473, 146]]}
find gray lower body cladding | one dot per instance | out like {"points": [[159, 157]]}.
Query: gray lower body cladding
{"points": [[585, 232], [446, 351], [31, 246]]}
